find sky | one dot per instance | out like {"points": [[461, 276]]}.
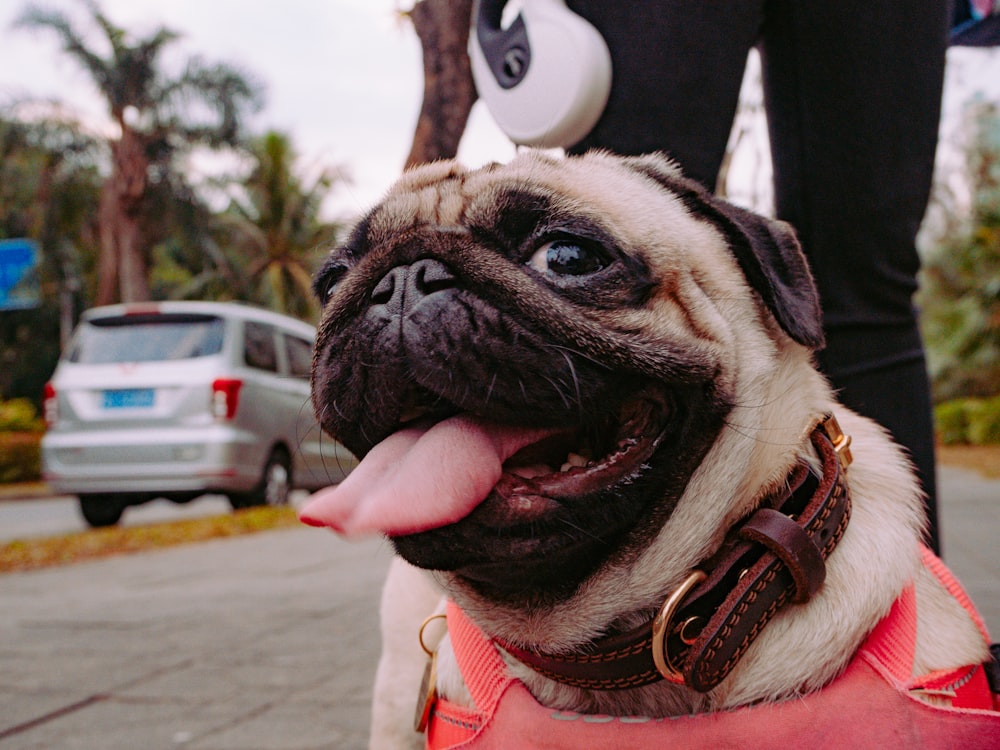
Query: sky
{"points": [[342, 77]]}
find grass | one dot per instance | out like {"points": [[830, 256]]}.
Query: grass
{"points": [[20, 555], [30, 554]]}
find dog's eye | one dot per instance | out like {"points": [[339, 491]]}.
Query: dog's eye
{"points": [[327, 280], [569, 257]]}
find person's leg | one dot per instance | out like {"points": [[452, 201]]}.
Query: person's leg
{"points": [[896, 396], [676, 74], [853, 92]]}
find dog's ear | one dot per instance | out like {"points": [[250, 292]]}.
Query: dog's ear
{"points": [[772, 261], [766, 250]]}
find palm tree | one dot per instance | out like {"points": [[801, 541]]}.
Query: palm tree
{"points": [[158, 118], [275, 227]]}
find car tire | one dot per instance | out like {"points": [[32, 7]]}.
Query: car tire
{"points": [[101, 510], [275, 484]]}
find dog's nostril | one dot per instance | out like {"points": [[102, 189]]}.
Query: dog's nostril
{"points": [[404, 286], [432, 276], [383, 291]]}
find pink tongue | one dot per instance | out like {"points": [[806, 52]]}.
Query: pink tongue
{"points": [[419, 478]]}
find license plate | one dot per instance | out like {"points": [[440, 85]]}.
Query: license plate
{"points": [[128, 398]]}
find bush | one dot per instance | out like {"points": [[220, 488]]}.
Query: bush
{"points": [[968, 421], [951, 422], [19, 415], [20, 457], [984, 421], [20, 441]]}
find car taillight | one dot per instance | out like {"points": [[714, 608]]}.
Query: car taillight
{"points": [[225, 397], [50, 405]]}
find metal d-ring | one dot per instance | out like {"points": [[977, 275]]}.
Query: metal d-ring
{"points": [[423, 627], [427, 696], [662, 624]]}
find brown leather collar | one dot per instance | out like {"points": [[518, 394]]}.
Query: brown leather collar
{"points": [[773, 557]]}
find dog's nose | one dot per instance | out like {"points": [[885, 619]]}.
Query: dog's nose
{"points": [[405, 286]]}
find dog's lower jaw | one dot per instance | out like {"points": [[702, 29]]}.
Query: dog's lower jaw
{"points": [[532, 567]]}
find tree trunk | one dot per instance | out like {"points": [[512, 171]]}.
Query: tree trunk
{"points": [[133, 276], [107, 260], [122, 271], [449, 91]]}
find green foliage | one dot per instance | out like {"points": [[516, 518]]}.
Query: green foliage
{"points": [[960, 299], [48, 176], [984, 421], [272, 231], [20, 433], [49, 192], [968, 421], [951, 422], [19, 415], [29, 349]]}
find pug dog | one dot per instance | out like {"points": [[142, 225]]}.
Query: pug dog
{"points": [[569, 380]]}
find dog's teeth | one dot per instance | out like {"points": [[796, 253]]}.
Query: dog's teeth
{"points": [[625, 445], [573, 461]]}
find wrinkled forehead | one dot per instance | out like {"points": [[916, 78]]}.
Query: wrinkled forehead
{"points": [[515, 198]]}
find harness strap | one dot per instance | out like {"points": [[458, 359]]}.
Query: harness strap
{"points": [[486, 676], [873, 693], [893, 643], [965, 687], [891, 647], [480, 662], [936, 565]]}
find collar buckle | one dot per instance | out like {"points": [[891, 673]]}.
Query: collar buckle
{"points": [[841, 441]]}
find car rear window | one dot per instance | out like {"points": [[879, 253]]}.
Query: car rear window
{"points": [[146, 338]]}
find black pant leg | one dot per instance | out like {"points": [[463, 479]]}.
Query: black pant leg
{"points": [[853, 98], [677, 67]]}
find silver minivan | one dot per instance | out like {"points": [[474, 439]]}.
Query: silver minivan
{"points": [[180, 399]]}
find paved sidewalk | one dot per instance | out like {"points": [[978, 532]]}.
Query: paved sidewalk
{"points": [[260, 642], [267, 642], [970, 526]]}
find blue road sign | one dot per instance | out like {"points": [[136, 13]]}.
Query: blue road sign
{"points": [[18, 277]]}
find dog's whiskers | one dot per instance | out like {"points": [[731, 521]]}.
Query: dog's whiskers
{"points": [[753, 432], [489, 391], [576, 381], [585, 532]]}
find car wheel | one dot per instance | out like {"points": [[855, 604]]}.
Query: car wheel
{"points": [[275, 484], [101, 510]]}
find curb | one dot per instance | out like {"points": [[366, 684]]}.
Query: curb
{"points": [[25, 491]]}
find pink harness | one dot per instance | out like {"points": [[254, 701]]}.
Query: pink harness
{"points": [[871, 705]]}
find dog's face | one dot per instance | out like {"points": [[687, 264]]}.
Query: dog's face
{"points": [[535, 359]]}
